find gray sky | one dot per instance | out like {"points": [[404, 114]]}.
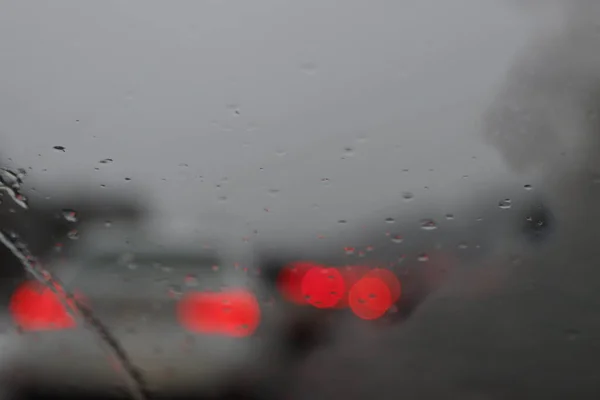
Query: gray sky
{"points": [[157, 87]]}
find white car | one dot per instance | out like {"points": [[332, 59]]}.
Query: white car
{"points": [[131, 335]]}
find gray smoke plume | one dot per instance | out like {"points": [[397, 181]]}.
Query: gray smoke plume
{"points": [[545, 116]]}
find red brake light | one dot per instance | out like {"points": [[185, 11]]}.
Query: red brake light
{"points": [[323, 287], [352, 274], [34, 306], [369, 293], [233, 313], [370, 298], [390, 280]]}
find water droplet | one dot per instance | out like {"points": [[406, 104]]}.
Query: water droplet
{"points": [[235, 109], [73, 234], [106, 161], [191, 280], [69, 215], [107, 224], [325, 180], [12, 179], [396, 238], [10, 183], [463, 245], [60, 148], [127, 179], [390, 220], [449, 216], [349, 250], [175, 291], [408, 196], [273, 191], [342, 221], [428, 224], [505, 204], [281, 153], [423, 257], [528, 187], [348, 152]]}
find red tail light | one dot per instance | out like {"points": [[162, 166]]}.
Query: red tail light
{"points": [[370, 298], [233, 313], [323, 287], [369, 293], [35, 307], [390, 280], [352, 274]]}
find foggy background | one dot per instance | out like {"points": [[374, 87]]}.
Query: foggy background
{"points": [[265, 115], [279, 120]]}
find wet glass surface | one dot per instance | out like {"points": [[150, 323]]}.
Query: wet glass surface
{"points": [[294, 200]]}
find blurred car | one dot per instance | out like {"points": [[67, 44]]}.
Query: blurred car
{"points": [[412, 255], [158, 319], [161, 320]]}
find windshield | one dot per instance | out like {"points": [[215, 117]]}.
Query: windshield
{"points": [[290, 200]]}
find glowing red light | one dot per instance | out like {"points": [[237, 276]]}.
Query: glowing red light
{"points": [[289, 281], [351, 275], [372, 292], [370, 298], [34, 306], [390, 280], [323, 287], [233, 313]]}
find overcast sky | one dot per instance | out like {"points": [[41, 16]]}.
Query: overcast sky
{"points": [[303, 112]]}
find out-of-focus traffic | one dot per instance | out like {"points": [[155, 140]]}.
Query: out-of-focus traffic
{"points": [[120, 312]]}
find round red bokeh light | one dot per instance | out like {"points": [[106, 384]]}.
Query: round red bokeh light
{"points": [[369, 293], [390, 280], [351, 274], [323, 287], [370, 298]]}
